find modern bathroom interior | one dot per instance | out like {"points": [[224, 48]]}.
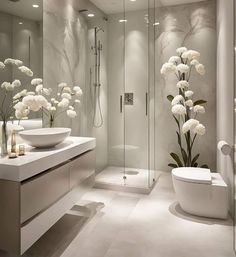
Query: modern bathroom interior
{"points": [[117, 181]]}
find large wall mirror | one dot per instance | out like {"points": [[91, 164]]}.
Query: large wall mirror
{"points": [[21, 37]]}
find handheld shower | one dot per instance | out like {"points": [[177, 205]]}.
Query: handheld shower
{"points": [[97, 110]]}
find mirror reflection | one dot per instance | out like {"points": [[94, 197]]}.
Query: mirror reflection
{"points": [[21, 33]]}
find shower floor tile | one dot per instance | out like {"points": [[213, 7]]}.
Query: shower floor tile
{"points": [[114, 176]]}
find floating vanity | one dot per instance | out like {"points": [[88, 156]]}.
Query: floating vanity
{"points": [[37, 189]]}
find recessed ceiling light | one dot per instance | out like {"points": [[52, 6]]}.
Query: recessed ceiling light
{"points": [[20, 23], [35, 5], [91, 15], [132, 0], [156, 24], [122, 20]]}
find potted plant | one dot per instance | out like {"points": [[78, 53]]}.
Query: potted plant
{"points": [[184, 109]]}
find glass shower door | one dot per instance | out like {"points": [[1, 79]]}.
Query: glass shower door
{"points": [[234, 185], [116, 73], [137, 95], [152, 29]]}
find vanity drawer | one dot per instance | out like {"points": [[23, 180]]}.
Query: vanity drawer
{"points": [[81, 168], [43, 190]]}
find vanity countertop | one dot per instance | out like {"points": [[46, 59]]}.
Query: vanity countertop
{"points": [[38, 160]]}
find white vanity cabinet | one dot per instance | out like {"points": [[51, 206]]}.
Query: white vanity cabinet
{"points": [[30, 206]]}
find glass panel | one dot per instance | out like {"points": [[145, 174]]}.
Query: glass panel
{"points": [[153, 26], [116, 73], [234, 185], [137, 93]]}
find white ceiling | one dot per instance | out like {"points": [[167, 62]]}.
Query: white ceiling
{"points": [[23, 8], [116, 6]]}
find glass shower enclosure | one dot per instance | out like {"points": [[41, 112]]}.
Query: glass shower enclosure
{"points": [[120, 92]]}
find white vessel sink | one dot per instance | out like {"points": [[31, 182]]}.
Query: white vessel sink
{"points": [[45, 137]]}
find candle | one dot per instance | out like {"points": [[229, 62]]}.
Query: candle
{"points": [[12, 155], [13, 141], [21, 150]]}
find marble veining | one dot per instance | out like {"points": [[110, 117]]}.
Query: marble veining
{"points": [[193, 26], [68, 38], [65, 55]]}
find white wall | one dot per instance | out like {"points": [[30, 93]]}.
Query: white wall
{"points": [[225, 88], [67, 58], [65, 54], [100, 133], [193, 26]]}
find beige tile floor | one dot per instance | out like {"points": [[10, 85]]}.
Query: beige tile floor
{"points": [[132, 225]]}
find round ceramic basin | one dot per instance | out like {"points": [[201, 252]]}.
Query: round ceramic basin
{"points": [[45, 137]]}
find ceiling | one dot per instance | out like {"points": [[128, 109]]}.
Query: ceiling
{"points": [[23, 8], [116, 6]]}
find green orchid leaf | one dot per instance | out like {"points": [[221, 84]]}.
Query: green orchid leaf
{"points": [[177, 159], [179, 138], [177, 121], [198, 102], [185, 156], [195, 159], [170, 98], [205, 166], [195, 164], [172, 165]]}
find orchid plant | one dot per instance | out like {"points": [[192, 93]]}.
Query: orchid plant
{"points": [[8, 102], [185, 111], [66, 101], [20, 104]]}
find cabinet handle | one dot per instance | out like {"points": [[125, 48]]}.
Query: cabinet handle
{"points": [[146, 104], [121, 104]]}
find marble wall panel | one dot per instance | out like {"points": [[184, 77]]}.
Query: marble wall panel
{"points": [[193, 26]]}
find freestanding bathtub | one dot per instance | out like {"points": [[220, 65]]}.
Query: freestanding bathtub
{"points": [[201, 192]]}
